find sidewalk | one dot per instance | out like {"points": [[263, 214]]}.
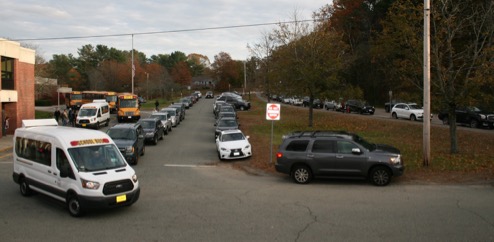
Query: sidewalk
{"points": [[6, 143]]}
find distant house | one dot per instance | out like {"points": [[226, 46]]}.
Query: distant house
{"points": [[203, 82], [17, 84]]}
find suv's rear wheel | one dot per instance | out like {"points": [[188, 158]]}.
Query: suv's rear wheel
{"points": [[301, 174], [413, 118], [380, 176]]}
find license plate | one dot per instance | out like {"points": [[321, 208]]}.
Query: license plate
{"points": [[121, 198], [129, 116], [236, 153], [83, 125]]}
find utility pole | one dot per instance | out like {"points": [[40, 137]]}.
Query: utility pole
{"points": [[427, 86], [133, 67]]}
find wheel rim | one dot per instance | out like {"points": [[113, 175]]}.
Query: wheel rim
{"points": [[301, 175], [24, 188], [74, 206], [473, 124], [380, 177], [412, 117]]}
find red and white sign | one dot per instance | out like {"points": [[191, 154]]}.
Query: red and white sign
{"points": [[273, 111]]}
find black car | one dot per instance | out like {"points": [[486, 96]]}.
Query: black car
{"points": [[358, 106], [153, 129], [336, 154], [237, 102], [225, 123], [470, 116], [129, 138]]}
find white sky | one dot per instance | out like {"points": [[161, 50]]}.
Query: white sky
{"points": [[34, 19]]}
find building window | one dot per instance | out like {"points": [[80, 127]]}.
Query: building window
{"points": [[7, 73]]}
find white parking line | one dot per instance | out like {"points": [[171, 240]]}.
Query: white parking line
{"points": [[189, 166]]}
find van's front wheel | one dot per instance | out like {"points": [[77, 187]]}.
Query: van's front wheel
{"points": [[74, 206]]}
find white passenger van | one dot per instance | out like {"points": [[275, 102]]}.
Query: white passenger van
{"points": [[82, 168], [92, 115]]}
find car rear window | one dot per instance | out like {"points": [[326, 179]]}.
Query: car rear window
{"points": [[297, 145]]}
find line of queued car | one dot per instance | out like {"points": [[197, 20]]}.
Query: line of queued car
{"points": [[131, 138], [231, 143]]}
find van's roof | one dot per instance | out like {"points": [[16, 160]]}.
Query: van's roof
{"points": [[65, 134]]}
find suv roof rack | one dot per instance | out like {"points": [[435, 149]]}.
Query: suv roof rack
{"points": [[319, 133]]}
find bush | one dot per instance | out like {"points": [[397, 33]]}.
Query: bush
{"points": [[43, 103]]}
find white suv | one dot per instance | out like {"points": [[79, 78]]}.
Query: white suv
{"points": [[408, 111]]}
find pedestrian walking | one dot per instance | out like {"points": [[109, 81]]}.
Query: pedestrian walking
{"points": [[157, 104], [65, 117], [71, 117], [57, 115], [5, 125]]}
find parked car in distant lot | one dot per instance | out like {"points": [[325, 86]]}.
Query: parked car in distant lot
{"points": [[172, 112], [129, 138], [359, 106], [408, 111], [209, 94], [333, 105], [232, 144], [470, 116], [153, 129], [336, 154]]}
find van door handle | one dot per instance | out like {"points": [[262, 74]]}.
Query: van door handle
{"points": [[310, 155], [339, 156], [49, 171]]}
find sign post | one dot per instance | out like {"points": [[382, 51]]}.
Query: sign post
{"points": [[272, 113]]}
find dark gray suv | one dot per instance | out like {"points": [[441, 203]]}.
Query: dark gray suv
{"points": [[337, 154]]}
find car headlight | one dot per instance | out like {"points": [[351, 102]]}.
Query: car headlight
{"points": [[90, 184], [247, 146], [134, 178], [129, 149], [223, 149], [395, 160], [482, 116]]}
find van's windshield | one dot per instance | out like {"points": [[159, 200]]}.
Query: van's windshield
{"points": [[97, 158], [87, 112]]}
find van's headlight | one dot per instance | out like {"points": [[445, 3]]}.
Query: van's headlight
{"points": [[134, 178], [395, 160], [90, 184]]}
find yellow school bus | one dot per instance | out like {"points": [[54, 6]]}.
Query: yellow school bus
{"points": [[128, 107], [111, 99], [73, 100]]}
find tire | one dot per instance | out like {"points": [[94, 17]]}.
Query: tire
{"points": [[301, 174], [413, 118], [445, 120], [24, 188], [474, 123], [162, 135], [74, 206], [136, 161], [143, 150], [380, 176], [155, 140], [107, 122], [394, 115]]}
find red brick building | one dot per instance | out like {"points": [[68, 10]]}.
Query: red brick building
{"points": [[17, 85]]}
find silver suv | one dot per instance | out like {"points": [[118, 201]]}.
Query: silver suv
{"points": [[337, 154]]}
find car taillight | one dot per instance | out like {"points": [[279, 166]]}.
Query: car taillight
{"points": [[279, 155]]}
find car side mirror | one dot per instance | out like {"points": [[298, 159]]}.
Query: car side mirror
{"points": [[356, 151]]}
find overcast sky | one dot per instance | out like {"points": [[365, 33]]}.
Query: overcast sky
{"points": [[35, 19]]}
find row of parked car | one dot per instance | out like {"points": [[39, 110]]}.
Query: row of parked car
{"points": [[231, 143], [131, 138]]}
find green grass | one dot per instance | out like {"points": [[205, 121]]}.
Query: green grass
{"points": [[476, 149]]}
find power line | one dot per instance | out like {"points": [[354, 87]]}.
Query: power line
{"points": [[163, 32]]}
